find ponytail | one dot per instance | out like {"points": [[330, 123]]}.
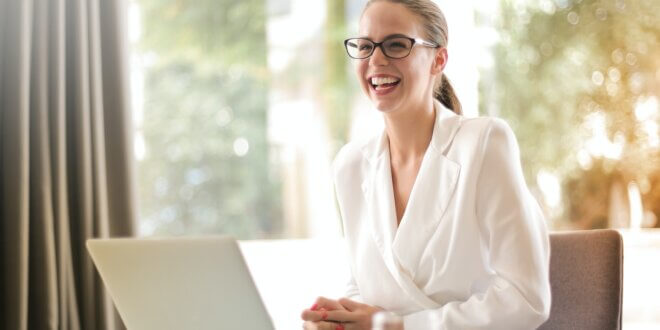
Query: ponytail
{"points": [[444, 92]]}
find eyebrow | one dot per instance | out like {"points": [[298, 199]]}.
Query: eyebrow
{"points": [[395, 35]]}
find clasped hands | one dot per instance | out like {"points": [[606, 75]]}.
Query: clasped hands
{"points": [[342, 314]]}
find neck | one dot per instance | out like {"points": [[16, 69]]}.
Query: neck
{"points": [[409, 132]]}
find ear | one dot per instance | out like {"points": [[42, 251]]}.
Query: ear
{"points": [[440, 60]]}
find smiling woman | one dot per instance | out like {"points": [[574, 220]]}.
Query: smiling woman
{"points": [[398, 46], [439, 223]]}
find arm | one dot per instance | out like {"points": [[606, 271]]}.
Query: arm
{"points": [[352, 291], [513, 229]]}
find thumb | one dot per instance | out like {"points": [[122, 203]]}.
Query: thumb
{"points": [[350, 305], [327, 304]]}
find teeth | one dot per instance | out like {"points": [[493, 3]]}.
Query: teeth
{"points": [[383, 80]]}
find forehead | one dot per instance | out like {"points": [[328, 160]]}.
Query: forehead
{"points": [[384, 18]]}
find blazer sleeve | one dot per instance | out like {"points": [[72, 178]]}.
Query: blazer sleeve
{"points": [[352, 291], [515, 236]]}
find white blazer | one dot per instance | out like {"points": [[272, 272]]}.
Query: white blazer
{"points": [[471, 251]]}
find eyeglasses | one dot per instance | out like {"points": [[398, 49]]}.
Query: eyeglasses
{"points": [[393, 47]]}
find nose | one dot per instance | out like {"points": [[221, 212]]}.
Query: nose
{"points": [[378, 58]]}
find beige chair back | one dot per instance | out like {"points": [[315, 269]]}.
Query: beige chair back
{"points": [[586, 277]]}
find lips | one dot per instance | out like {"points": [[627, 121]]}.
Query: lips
{"points": [[383, 84]]}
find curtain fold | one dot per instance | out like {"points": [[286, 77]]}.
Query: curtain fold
{"points": [[66, 167], [16, 30]]}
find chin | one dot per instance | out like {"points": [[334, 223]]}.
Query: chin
{"points": [[384, 106], [383, 109]]}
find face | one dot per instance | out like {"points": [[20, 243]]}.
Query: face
{"points": [[396, 84]]}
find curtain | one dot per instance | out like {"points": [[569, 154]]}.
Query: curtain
{"points": [[66, 168]]}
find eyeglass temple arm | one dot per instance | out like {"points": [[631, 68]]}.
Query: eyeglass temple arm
{"points": [[426, 43]]}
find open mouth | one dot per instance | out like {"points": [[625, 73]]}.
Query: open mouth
{"points": [[384, 83]]}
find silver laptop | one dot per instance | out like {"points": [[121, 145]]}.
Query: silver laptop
{"points": [[180, 283]]}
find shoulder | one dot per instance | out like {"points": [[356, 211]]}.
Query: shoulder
{"points": [[486, 125], [486, 132], [496, 152], [350, 155], [483, 141], [353, 155]]}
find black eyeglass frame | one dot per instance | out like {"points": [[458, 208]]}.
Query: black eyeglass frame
{"points": [[414, 41]]}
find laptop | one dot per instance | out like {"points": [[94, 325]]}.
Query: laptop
{"points": [[180, 283]]}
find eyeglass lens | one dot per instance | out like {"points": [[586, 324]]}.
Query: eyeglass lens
{"points": [[395, 47]]}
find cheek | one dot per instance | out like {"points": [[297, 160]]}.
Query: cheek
{"points": [[417, 72], [360, 68]]}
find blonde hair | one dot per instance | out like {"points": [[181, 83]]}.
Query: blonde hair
{"points": [[435, 26]]}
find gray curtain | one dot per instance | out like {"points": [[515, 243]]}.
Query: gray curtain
{"points": [[66, 172]]}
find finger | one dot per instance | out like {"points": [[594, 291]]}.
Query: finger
{"points": [[351, 326], [322, 315], [310, 315], [322, 325], [309, 325], [341, 316], [328, 304], [330, 326], [313, 308], [350, 305], [314, 316], [336, 316]]}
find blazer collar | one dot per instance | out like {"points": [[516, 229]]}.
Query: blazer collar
{"points": [[445, 127], [402, 246]]}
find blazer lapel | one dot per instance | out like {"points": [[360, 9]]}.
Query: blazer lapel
{"points": [[431, 194], [432, 191], [377, 188]]}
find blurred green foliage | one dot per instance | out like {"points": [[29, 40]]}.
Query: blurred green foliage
{"points": [[559, 61], [336, 76], [556, 63], [207, 167]]}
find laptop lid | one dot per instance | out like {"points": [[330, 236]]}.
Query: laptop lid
{"points": [[180, 283]]}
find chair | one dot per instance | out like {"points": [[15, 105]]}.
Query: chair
{"points": [[586, 277]]}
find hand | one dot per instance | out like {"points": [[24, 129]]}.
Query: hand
{"points": [[324, 304], [319, 309], [352, 316]]}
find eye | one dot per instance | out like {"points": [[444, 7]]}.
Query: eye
{"points": [[397, 44], [365, 47]]}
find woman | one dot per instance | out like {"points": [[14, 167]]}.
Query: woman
{"points": [[440, 225]]}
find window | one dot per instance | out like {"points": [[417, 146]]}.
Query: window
{"points": [[242, 105]]}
